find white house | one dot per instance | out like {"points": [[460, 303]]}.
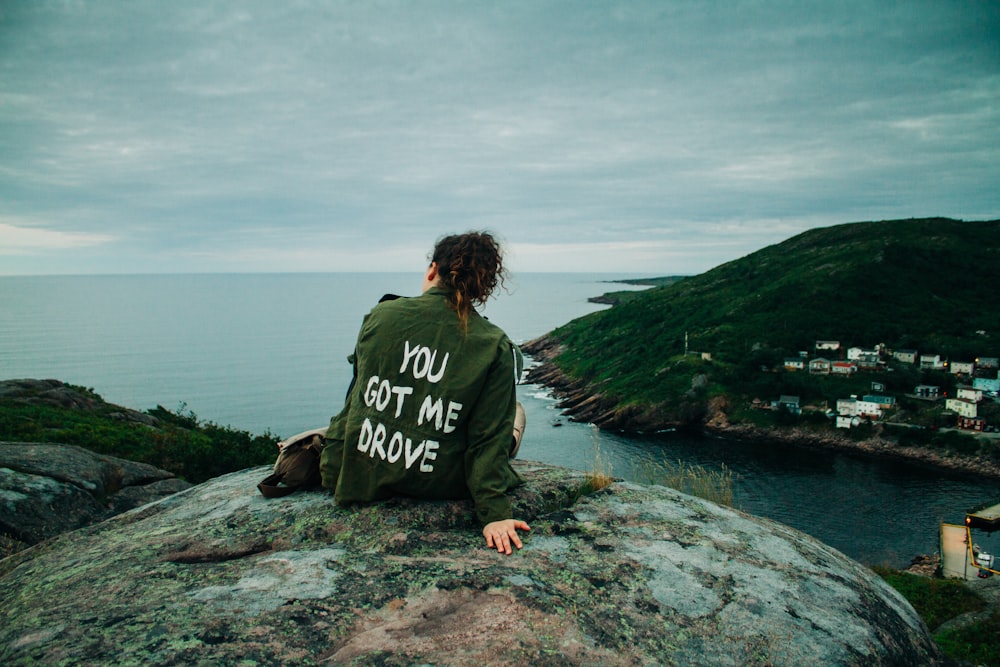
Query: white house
{"points": [[868, 360], [927, 391], [858, 408], [794, 363], [962, 407], [847, 421], [828, 345], [970, 394], [932, 361], [906, 356], [962, 367], [843, 368], [819, 366]]}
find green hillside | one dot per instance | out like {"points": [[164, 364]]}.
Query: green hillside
{"points": [[925, 284]]}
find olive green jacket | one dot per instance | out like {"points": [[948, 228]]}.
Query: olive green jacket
{"points": [[430, 412]]}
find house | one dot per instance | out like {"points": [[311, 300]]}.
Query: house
{"points": [[963, 407], [987, 362], [828, 345], [819, 366], [868, 361], [972, 423], [858, 408], [794, 363], [926, 391], [962, 367], [884, 402], [843, 368], [970, 394], [906, 356], [847, 421], [987, 384], [931, 361], [790, 403]]}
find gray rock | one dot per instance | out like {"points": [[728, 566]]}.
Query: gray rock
{"points": [[48, 489], [629, 575]]}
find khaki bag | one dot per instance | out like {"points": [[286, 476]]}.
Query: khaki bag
{"points": [[297, 466]]}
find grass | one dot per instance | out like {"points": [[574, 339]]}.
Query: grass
{"points": [[974, 643], [600, 475], [694, 480], [174, 441], [940, 600]]}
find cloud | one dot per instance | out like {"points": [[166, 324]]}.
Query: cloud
{"points": [[18, 240], [206, 134]]}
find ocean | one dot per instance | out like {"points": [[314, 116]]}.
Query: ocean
{"points": [[258, 352], [268, 353]]}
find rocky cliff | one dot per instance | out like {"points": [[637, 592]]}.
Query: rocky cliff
{"points": [[629, 575]]}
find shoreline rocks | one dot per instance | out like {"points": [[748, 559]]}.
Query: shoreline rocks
{"points": [[587, 404]]}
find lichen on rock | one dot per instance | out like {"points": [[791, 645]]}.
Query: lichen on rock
{"points": [[630, 575]]}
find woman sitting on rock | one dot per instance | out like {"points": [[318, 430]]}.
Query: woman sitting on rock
{"points": [[433, 403]]}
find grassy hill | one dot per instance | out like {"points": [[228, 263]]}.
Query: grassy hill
{"points": [[52, 411], [924, 284]]}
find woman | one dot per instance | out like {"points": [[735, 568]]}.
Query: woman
{"points": [[432, 406]]}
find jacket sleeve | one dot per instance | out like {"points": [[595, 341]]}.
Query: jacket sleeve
{"points": [[490, 429], [332, 457]]}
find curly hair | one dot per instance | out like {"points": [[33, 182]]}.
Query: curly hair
{"points": [[470, 267]]}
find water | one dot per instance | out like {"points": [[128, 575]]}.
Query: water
{"points": [[268, 353]]}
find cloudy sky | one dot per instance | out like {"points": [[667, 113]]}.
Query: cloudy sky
{"points": [[657, 137]]}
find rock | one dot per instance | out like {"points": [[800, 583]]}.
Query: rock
{"points": [[48, 489], [629, 575]]}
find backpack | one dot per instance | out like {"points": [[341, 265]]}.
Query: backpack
{"points": [[297, 466]]}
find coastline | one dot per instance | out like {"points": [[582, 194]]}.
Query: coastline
{"points": [[583, 403]]}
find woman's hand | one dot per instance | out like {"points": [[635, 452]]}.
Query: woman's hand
{"points": [[500, 535]]}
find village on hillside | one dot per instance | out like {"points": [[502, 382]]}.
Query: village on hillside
{"points": [[976, 381]]}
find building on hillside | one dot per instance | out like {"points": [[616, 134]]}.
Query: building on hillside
{"points": [[987, 384], [790, 403], [858, 408], [971, 423], [847, 421], [987, 362], [906, 356], [962, 407], [843, 368], [884, 402], [819, 366], [794, 363], [931, 362], [926, 391], [969, 394], [832, 345], [962, 368], [868, 361]]}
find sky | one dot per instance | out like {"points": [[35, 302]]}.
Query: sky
{"points": [[661, 137]]}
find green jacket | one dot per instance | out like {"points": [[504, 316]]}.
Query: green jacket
{"points": [[430, 412]]}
